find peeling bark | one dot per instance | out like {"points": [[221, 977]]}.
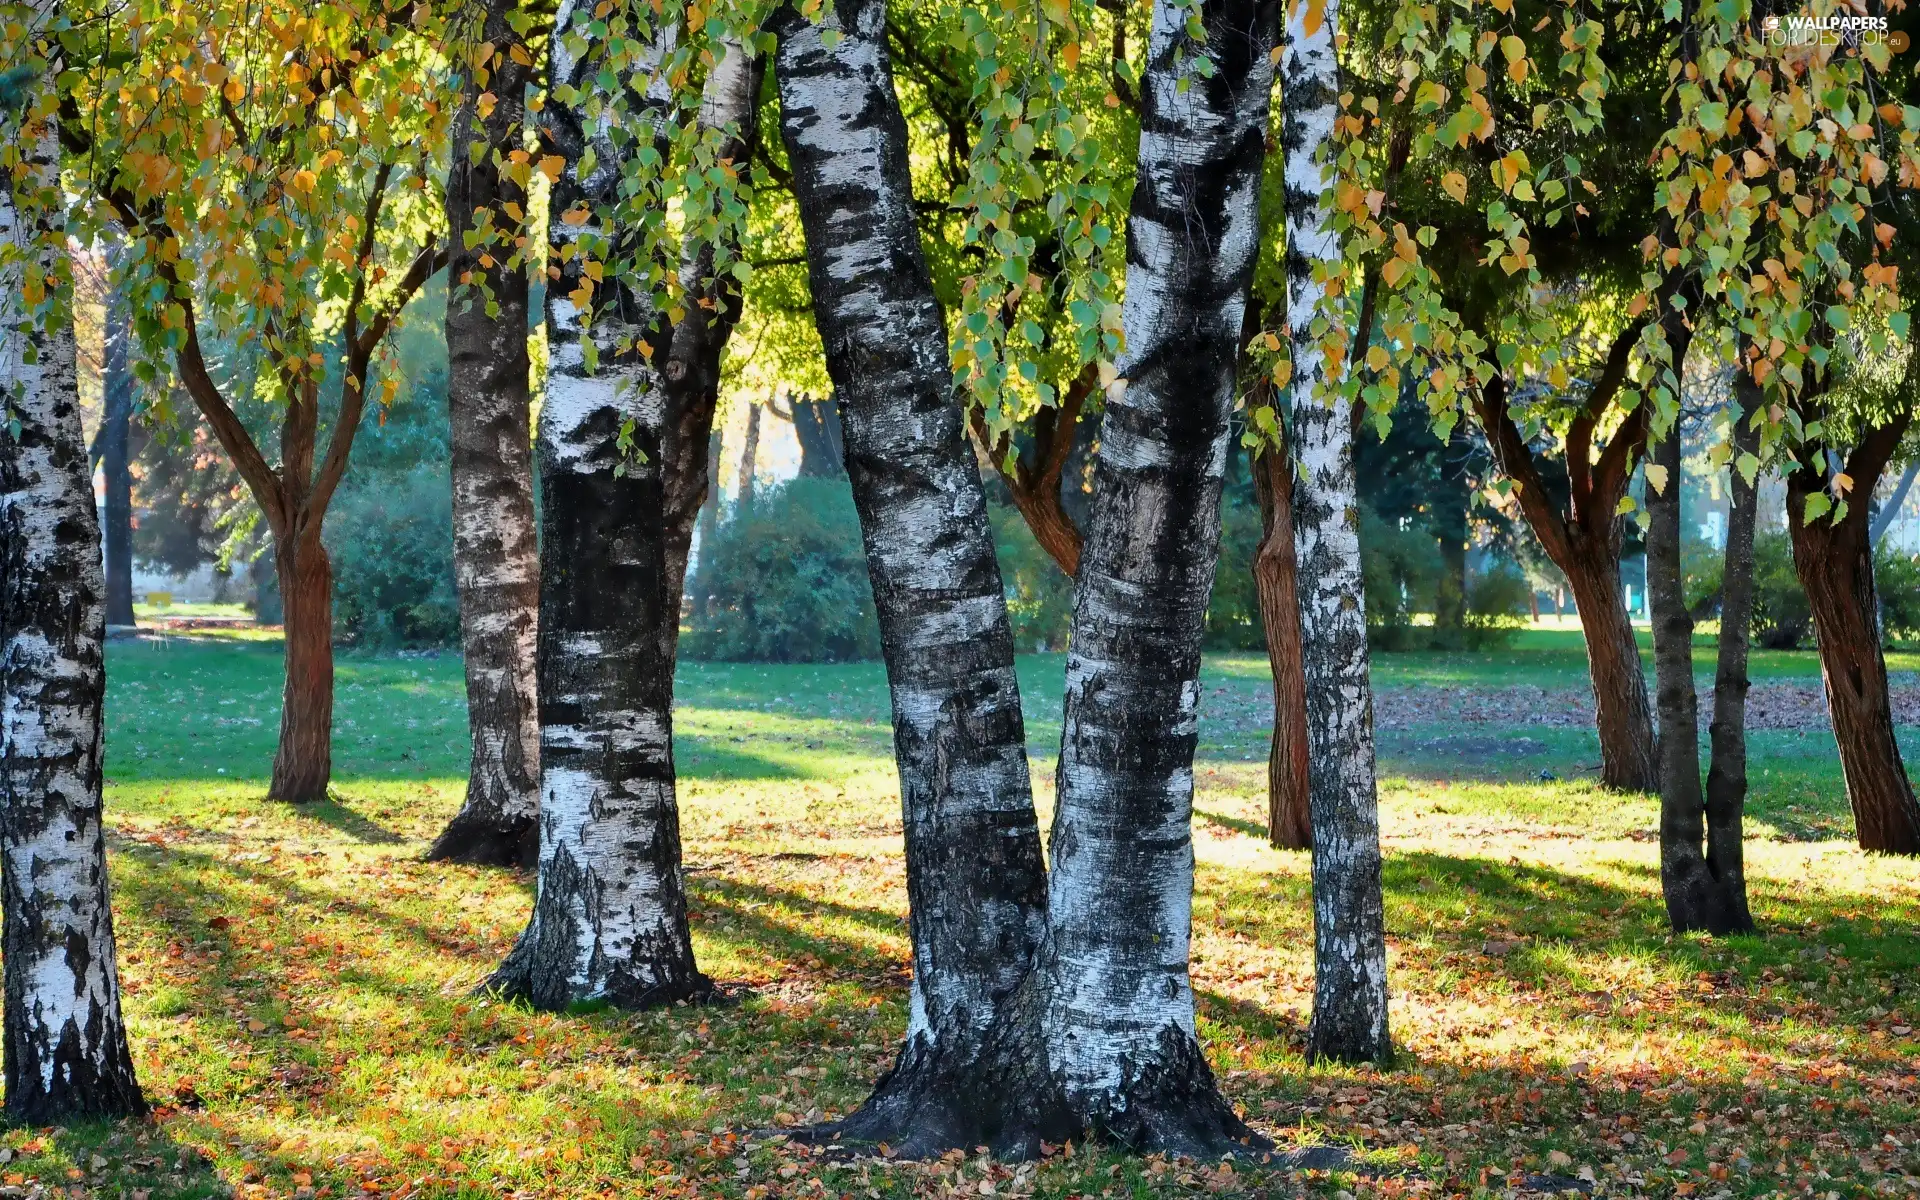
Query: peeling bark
{"points": [[975, 879], [65, 1044], [495, 547], [609, 922]]}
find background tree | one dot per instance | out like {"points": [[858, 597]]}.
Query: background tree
{"points": [[65, 1041], [276, 188]]}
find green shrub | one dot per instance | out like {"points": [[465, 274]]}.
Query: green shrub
{"points": [[390, 535], [1233, 613], [1781, 618], [786, 581], [1496, 607], [1896, 579], [1401, 570]]}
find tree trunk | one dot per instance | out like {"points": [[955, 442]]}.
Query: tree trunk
{"points": [[65, 1043], [1450, 531], [303, 763], [1350, 952], [495, 548], [690, 377], [1834, 561], [609, 923], [975, 879], [1621, 715], [823, 452], [1698, 896], [1727, 768], [116, 458], [1289, 793], [749, 461], [1119, 1004]]}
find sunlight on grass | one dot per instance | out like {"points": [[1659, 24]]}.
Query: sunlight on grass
{"points": [[299, 984]]}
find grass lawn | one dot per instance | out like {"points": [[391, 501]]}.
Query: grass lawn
{"points": [[298, 982]]}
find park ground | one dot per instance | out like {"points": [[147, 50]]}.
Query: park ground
{"points": [[299, 984]]}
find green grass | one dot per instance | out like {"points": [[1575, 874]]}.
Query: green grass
{"points": [[298, 982]]}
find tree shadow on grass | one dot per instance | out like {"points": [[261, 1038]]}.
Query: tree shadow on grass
{"points": [[335, 813]]}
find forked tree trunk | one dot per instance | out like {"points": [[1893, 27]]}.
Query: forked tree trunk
{"points": [[975, 880], [1119, 1007], [1350, 951], [116, 468], [303, 763], [1834, 561], [65, 1044], [1289, 793], [1704, 888], [609, 923], [495, 548]]}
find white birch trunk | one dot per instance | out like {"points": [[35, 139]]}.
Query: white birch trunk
{"points": [[1119, 1015], [974, 875], [609, 923], [66, 1050], [1350, 964]]}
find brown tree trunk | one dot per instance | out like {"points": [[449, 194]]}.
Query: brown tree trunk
{"points": [[1835, 564], [1621, 714], [304, 761], [1289, 796]]}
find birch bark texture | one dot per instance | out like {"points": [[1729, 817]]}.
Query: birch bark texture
{"points": [[65, 1044], [975, 879], [489, 395], [1119, 1014], [609, 923], [1349, 944]]}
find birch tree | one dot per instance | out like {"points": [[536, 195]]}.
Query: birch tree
{"points": [[495, 548], [1118, 1004], [1350, 954], [609, 921], [65, 1043], [975, 881]]}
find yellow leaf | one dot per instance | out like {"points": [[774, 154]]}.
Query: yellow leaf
{"points": [[1637, 305], [235, 91], [575, 216], [1517, 70], [1513, 48], [485, 102], [303, 181], [1657, 476], [1455, 185], [1377, 358], [1314, 17], [551, 165], [1395, 270]]}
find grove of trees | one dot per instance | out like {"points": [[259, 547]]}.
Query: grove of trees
{"points": [[1093, 264]]}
